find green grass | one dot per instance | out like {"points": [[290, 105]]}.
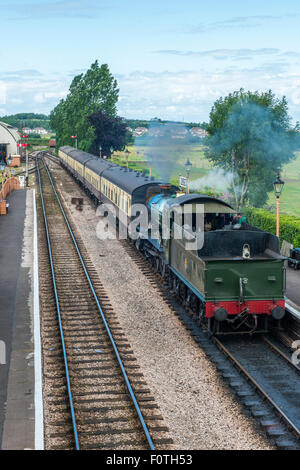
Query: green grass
{"points": [[290, 197]]}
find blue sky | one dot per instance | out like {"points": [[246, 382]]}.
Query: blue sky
{"points": [[172, 59]]}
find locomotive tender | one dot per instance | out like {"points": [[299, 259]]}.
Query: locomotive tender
{"points": [[235, 282]]}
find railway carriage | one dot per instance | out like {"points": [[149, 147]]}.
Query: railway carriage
{"points": [[107, 182], [234, 283]]}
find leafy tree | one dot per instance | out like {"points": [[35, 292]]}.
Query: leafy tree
{"points": [[110, 133], [88, 92], [250, 137]]}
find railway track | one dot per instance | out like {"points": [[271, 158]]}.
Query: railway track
{"points": [[95, 395], [276, 380]]}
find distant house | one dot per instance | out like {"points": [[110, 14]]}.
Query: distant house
{"points": [[198, 132], [27, 130], [40, 130], [156, 131], [179, 132], [138, 131]]}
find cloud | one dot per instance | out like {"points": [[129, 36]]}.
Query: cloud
{"points": [[186, 94], [33, 92], [191, 94], [20, 75], [2, 93], [56, 9], [235, 54], [237, 22]]}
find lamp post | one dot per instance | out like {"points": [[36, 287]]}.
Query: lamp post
{"points": [[127, 154], [9, 161], [188, 165], [278, 187], [111, 152], [100, 151]]}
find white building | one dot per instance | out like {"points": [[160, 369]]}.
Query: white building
{"points": [[9, 138], [39, 130], [198, 132], [27, 130]]}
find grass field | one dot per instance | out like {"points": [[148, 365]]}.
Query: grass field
{"points": [[290, 199]]}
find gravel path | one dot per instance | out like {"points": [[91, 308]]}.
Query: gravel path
{"points": [[196, 404]]}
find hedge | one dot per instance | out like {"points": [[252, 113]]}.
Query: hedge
{"points": [[289, 225]]}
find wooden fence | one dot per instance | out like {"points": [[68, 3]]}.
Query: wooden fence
{"points": [[10, 185]]}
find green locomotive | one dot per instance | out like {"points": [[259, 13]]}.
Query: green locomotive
{"points": [[236, 281]]}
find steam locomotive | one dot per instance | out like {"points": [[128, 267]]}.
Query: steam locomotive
{"points": [[233, 281]]}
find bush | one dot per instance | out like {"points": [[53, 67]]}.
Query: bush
{"points": [[289, 225]]}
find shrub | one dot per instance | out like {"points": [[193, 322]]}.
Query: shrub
{"points": [[289, 225]]}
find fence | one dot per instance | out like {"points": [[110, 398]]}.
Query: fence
{"points": [[7, 187]]}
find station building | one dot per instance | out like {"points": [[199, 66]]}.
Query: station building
{"points": [[9, 138]]}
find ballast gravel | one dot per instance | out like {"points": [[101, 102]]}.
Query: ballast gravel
{"points": [[198, 407]]}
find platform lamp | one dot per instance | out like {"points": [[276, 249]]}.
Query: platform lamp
{"points": [[9, 161], [127, 155], [188, 165], [100, 151], [278, 187], [111, 152]]}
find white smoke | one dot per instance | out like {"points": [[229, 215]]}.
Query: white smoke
{"points": [[217, 179]]}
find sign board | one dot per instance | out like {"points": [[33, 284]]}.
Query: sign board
{"points": [[22, 181], [182, 182]]}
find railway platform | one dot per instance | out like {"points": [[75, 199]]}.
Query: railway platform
{"points": [[17, 371], [293, 288]]}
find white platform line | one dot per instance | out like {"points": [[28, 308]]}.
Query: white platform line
{"points": [[38, 388], [292, 309]]}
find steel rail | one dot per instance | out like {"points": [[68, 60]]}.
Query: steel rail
{"points": [[77, 446], [280, 353], [53, 158], [259, 388], [125, 376]]}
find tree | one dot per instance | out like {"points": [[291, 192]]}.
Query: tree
{"points": [[250, 137], [110, 132], [88, 92]]}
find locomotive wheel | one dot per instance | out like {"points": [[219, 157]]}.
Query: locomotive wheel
{"points": [[194, 304], [182, 291]]}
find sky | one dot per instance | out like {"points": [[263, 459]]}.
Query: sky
{"points": [[172, 59]]}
